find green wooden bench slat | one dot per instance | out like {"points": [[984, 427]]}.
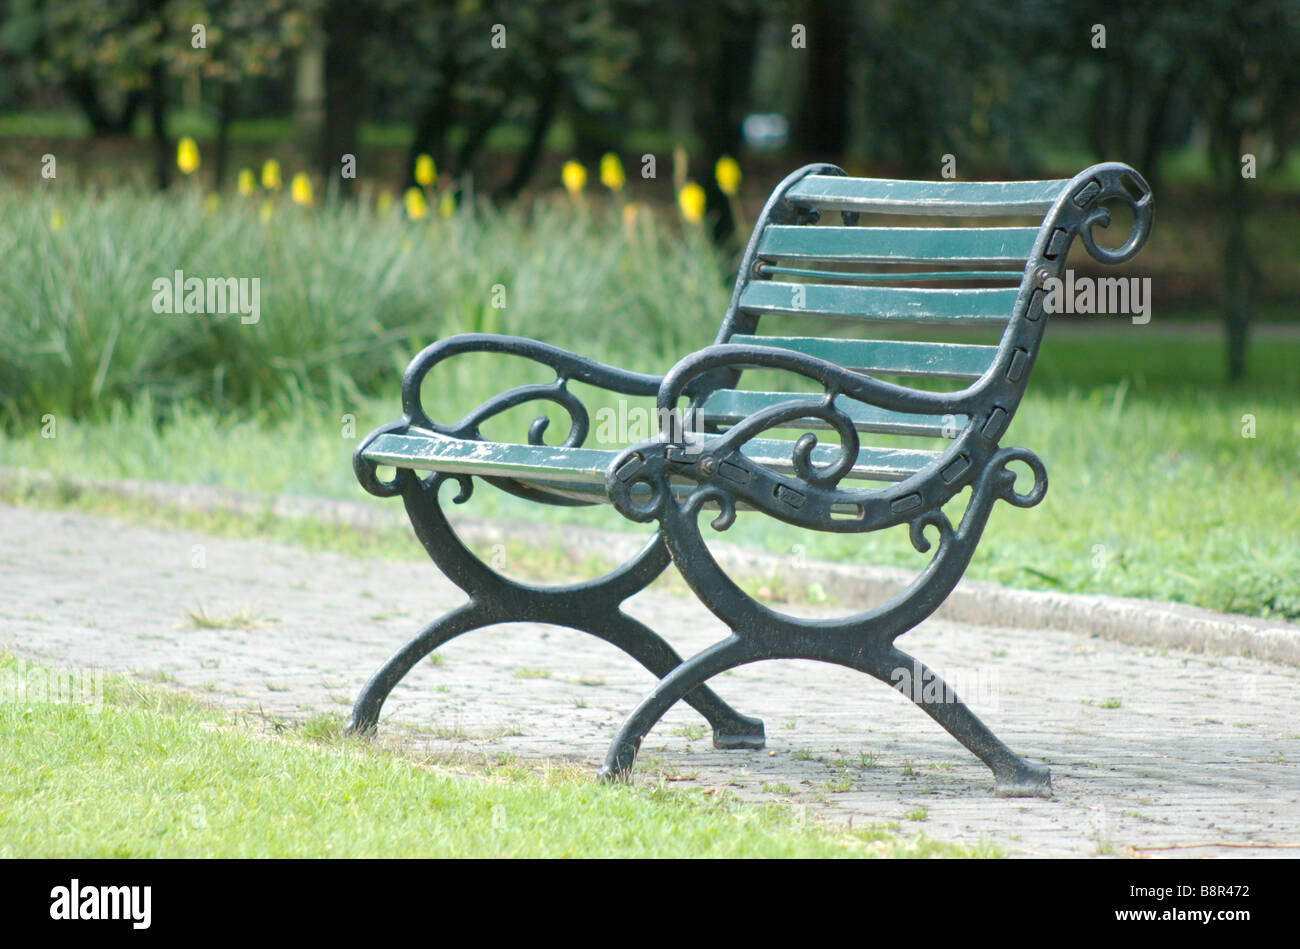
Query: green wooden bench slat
{"points": [[427, 451], [899, 244], [912, 304], [945, 198], [891, 277], [932, 360], [728, 406], [583, 469], [873, 464]]}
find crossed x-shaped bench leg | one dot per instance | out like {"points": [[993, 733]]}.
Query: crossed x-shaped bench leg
{"points": [[593, 607], [864, 642], [1013, 775]]}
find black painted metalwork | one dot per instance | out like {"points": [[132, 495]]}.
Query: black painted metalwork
{"points": [[638, 480], [593, 607]]}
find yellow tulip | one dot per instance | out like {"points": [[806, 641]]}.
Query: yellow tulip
{"points": [[56, 220], [691, 201], [611, 172], [384, 203], [447, 204], [416, 205], [728, 174], [426, 172], [271, 175], [246, 182], [574, 176], [211, 202], [187, 156], [300, 189], [267, 209]]}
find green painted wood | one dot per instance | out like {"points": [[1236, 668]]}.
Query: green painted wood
{"points": [[595, 492], [426, 451], [943, 198], [582, 470], [899, 244], [873, 464], [911, 304], [891, 277], [931, 360], [729, 406]]}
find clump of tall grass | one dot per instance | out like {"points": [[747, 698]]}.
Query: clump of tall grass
{"points": [[346, 295]]}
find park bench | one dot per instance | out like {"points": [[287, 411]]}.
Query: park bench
{"points": [[719, 455]]}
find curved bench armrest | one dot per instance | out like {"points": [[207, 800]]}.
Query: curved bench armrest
{"points": [[682, 378], [813, 496], [567, 366], [1081, 207]]}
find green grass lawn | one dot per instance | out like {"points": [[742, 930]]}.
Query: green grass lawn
{"points": [[150, 773], [1155, 490]]}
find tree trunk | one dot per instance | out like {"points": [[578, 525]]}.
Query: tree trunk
{"points": [[726, 68], [345, 22], [433, 120], [1236, 274], [548, 100], [225, 113], [162, 150], [309, 95], [822, 128], [1153, 144], [86, 94], [485, 121], [1100, 132]]}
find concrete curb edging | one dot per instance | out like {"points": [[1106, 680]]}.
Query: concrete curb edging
{"points": [[1140, 622]]}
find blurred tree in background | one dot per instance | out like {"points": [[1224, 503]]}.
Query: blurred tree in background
{"points": [[113, 59], [496, 90]]}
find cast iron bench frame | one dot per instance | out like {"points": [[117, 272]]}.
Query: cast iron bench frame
{"points": [[672, 478]]}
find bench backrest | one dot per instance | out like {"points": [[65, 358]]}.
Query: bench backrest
{"points": [[931, 277]]}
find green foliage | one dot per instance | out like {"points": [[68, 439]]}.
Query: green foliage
{"points": [[346, 296], [95, 47]]}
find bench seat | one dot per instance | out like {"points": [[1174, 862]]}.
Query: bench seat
{"points": [[571, 469]]}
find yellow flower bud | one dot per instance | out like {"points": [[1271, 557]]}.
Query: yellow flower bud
{"points": [[574, 176], [187, 156], [416, 204], [271, 175], [728, 174], [611, 172], [691, 201], [426, 172], [300, 189], [267, 209], [447, 204], [56, 220], [247, 184]]}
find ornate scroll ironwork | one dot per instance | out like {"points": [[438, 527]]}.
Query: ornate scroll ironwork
{"points": [[642, 481], [593, 607], [725, 477]]}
